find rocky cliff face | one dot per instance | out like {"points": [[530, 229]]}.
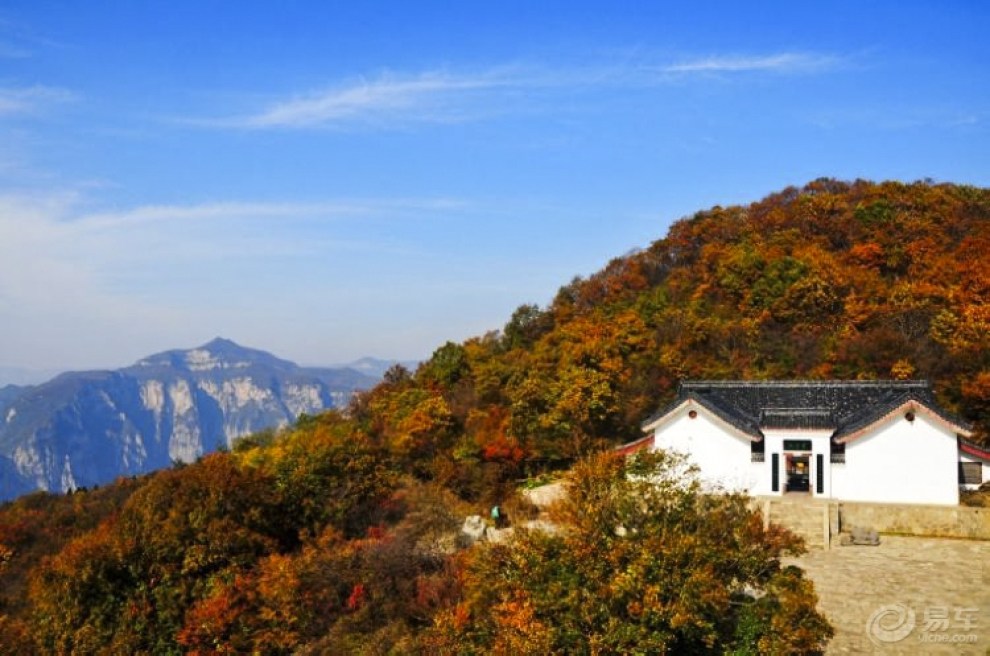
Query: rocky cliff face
{"points": [[87, 428]]}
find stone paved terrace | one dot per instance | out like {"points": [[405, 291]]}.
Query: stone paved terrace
{"points": [[936, 577]]}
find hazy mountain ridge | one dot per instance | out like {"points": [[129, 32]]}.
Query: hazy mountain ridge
{"points": [[20, 376], [376, 367], [86, 428], [8, 394]]}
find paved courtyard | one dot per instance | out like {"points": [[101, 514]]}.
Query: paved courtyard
{"points": [[925, 595]]}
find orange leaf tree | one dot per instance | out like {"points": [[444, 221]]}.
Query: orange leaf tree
{"points": [[643, 561]]}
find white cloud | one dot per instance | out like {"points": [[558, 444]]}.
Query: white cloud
{"points": [[430, 96], [26, 100], [19, 41], [785, 62], [238, 211], [150, 214], [898, 117], [49, 246], [77, 284], [443, 97], [53, 297]]}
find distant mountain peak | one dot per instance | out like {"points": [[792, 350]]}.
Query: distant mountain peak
{"points": [[222, 344], [222, 353], [89, 427], [218, 353]]}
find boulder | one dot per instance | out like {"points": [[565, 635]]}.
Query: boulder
{"points": [[474, 529], [543, 496]]}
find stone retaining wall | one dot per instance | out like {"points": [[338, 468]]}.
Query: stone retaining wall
{"points": [[906, 519]]}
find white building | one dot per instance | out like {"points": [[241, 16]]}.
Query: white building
{"points": [[880, 441]]}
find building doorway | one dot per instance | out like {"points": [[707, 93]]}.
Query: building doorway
{"points": [[798, 472]]}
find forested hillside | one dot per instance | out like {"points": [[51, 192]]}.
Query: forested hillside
{"points": [[834, 280], [330, 535]]}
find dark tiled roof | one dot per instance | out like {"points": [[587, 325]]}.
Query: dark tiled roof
{"points": [[843, 406], [797, 418], [731, 415]]}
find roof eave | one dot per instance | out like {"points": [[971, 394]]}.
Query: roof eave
{"points": [[636, 445], [657, 421], [911, 404], [974, 449]]}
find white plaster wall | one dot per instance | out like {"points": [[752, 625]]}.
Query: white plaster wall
{"points": [[900, 462], [839, 479], [722, 457], [760, 476]]}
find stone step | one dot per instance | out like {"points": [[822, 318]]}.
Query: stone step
{"points": [[813, 524], [803, 518], [815, 532]]}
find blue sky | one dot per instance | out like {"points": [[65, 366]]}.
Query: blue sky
{"points": [[327, 180]]}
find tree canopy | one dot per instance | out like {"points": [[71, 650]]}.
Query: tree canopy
{"points": [[641, 561]]}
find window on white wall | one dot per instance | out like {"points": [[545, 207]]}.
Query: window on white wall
{"points": [[970, 473], [756, 451]]}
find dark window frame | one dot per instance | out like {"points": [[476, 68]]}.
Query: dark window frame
{"points": [[968, 477]]}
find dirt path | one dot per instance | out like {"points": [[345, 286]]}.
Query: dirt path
{"points": [[945, 583]]}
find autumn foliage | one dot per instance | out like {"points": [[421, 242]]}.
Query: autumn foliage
{"points": [[641, 562], [335, 536]]}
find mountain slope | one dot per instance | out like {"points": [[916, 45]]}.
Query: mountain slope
{"points": [[86, 428], [855, 280], [8, 394], [22, 377]]}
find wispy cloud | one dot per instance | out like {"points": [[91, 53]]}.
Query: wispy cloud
{"points": [[899, 117], [237, 211], [150, 214], [392, 99], [432, 96], [28, 100], [785, 62], [19, 40], [52, 232], [149, 269]]}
